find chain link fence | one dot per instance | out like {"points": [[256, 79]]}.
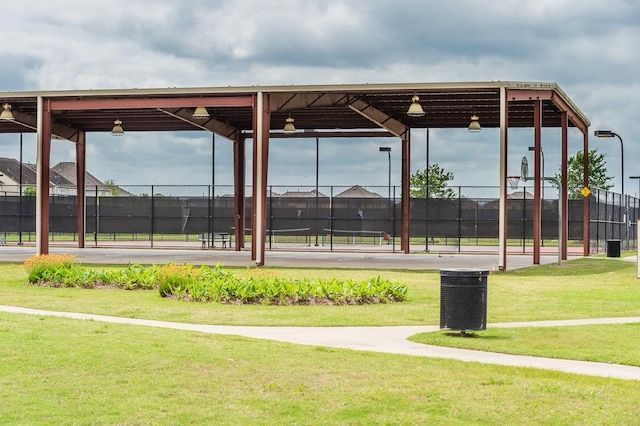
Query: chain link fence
{"points": [[334, 217]]}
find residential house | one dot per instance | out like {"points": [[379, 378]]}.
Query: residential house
{"points": [[11, 178], [358, 191], [62, 179], [93, 185]]}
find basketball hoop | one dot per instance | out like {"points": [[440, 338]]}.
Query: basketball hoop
{"points": [[513, 181]]}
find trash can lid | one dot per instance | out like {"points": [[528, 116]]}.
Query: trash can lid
{"points": [[464, 271]]}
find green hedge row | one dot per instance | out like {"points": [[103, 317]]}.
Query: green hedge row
{"points": [[217, 284]]}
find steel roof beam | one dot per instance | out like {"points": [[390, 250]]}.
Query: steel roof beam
{"points": [[529, 95], [549, 95], [150, 103], [58, 131], [571, 115], [294, 101], [211, 124], [378, 117], [327, 134]]}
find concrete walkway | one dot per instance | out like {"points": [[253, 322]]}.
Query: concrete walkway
{"points": [[384, 339]]}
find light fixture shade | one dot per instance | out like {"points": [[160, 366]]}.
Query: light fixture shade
{"points": [[201, 112], [6, 113], [474, 126], [117, 128], [415, 109], [289, 127], [604, 133]]}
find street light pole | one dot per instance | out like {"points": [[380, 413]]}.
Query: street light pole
{"points": [[611, 134], [636, 177], [387, 149]]}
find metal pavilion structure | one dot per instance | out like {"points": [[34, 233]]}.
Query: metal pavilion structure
{"points": [[259, 113]]}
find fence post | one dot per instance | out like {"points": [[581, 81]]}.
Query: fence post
{"points": [[524, 219], [331, 220], [459, 218], [426, 212], [152, 215], [270, 201], [393, 221], [209, 208], [598, 222]]}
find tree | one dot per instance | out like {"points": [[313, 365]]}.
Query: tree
{"points": [[597, 173], [111, 184], [438, 179], [29, 191]]}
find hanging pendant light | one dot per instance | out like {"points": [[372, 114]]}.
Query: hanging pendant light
{"points": [[201, 112], [474, 125], [289, 127], [117, 128], [415, 109], [6, 113]]}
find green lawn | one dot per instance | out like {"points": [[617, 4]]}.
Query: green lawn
{"points": [[612, 343], [586, 288], [62, 371]]}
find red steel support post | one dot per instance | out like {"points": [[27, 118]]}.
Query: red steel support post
{"points": [[564, 205], [405, 195], [537, 213], [266, 124], [43, 182], [504, 132], [80, 187]]}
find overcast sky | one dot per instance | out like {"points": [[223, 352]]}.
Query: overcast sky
{"points": [[589, 47]]}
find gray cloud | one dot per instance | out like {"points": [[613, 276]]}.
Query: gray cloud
{"points": [[588, 47]]}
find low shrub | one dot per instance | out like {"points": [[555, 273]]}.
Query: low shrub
{"points": [[52, 269], [205, 284], [133, 277], [220, 285], [57, 270]]}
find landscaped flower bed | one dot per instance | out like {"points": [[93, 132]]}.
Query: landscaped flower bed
{"points": [[217, 284]]}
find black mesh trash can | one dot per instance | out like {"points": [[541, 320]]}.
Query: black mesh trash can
{"points": [[463, 299], [613, 248]]}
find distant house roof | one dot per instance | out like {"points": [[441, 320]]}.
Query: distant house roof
{"points": [[11, 168], [358, 192], [67, 169], [519, 195], [302, 194], [55, 178], [61, 175]]}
